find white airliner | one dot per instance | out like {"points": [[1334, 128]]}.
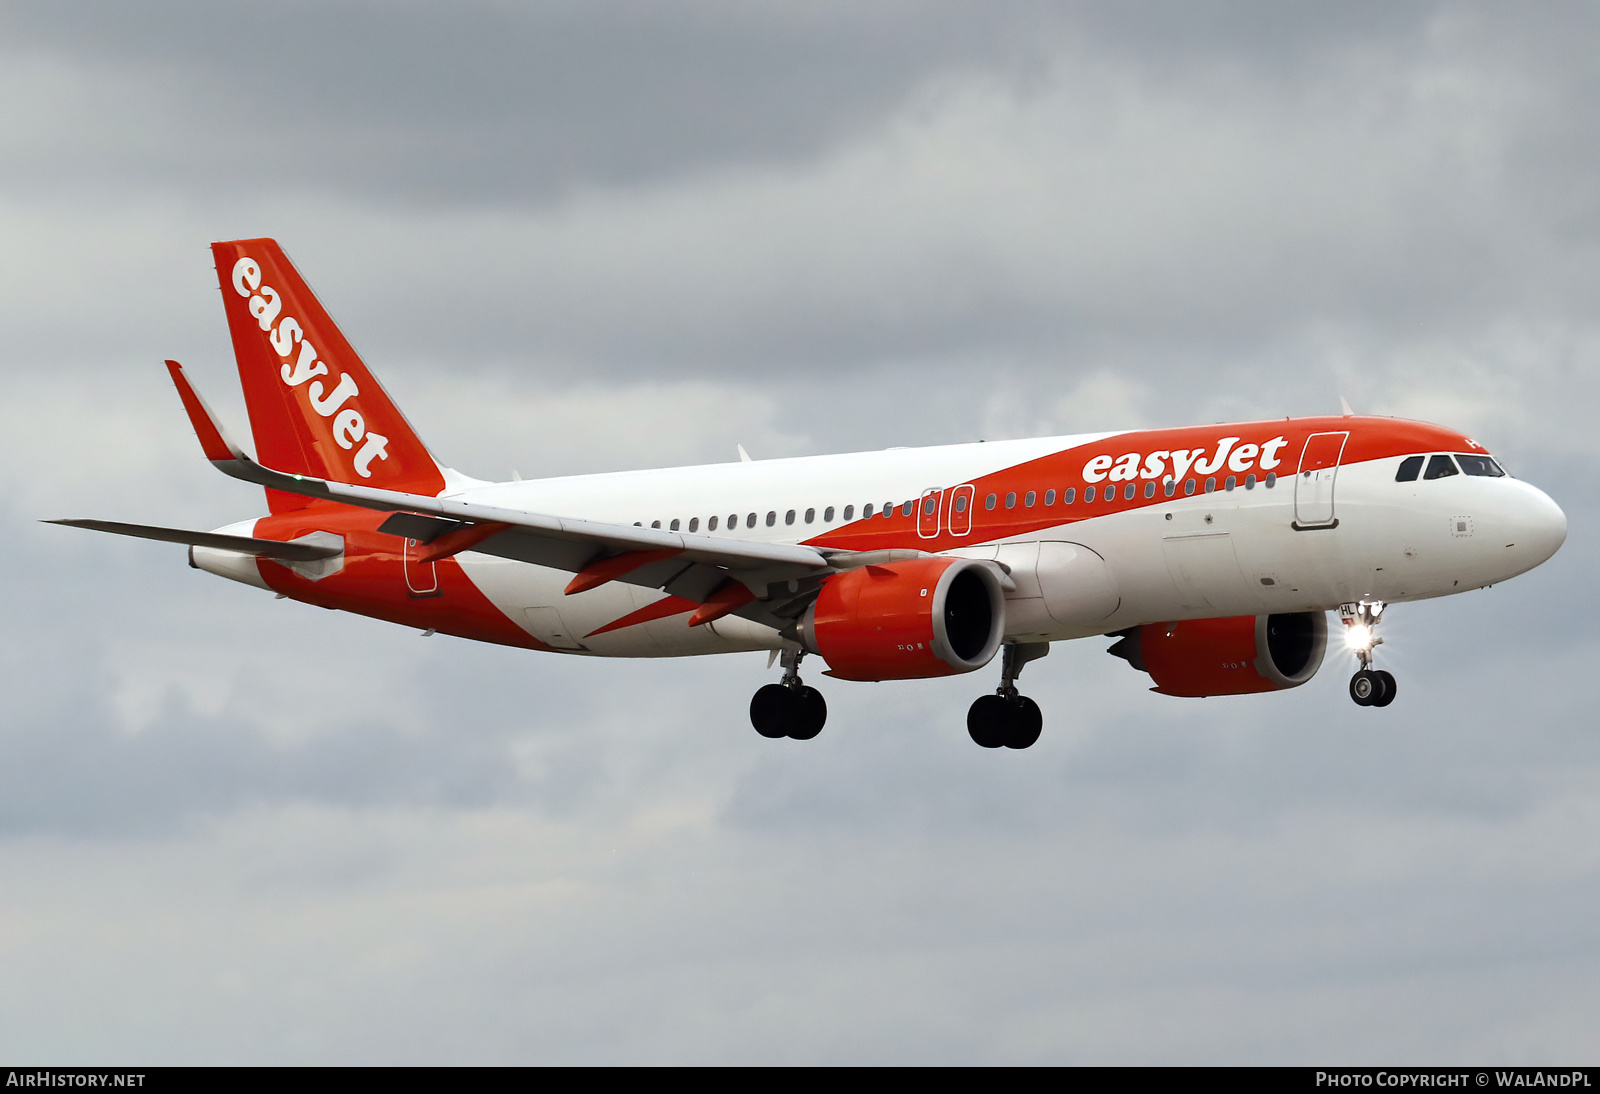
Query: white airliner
{"points": [[1211, 553]]}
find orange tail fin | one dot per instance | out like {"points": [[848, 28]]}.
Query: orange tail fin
{"points": [[315, 409]]}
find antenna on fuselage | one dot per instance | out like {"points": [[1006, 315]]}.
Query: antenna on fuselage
{"points": [[744, 457], [1344, 405]]}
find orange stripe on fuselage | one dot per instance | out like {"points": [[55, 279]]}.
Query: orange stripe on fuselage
{"points": [[1370, 439]]}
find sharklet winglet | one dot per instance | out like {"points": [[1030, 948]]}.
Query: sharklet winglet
{"points": [[214, 442]]}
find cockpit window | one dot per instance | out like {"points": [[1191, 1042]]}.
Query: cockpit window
{"points": [[1440, 467], [1410, 468], [1480, 465]]}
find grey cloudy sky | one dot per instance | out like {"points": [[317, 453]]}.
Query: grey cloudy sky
{"points": [[592, 236]]}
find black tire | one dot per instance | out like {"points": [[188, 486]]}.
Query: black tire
{"points": [[810, 713], [1027, 722], [772, 711], [989, 721], [1386, 678], [1365, 688]]}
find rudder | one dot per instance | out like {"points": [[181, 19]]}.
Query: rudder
{"points": [[315, 408]]}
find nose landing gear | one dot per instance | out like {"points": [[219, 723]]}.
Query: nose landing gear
{"points": [[790, 708], [1007, 718], [1369, 687]]}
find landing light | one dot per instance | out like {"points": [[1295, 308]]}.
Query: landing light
{"points": [[1358, 636]]}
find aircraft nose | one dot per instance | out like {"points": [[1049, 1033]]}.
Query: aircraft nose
{"points": [[1541, 525]]}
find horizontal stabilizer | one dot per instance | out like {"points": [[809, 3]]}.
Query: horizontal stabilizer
{"points": [[244, 545]]}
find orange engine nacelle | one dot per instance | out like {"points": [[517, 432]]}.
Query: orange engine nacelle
{"points": [[1247, 653], [907, 620]]}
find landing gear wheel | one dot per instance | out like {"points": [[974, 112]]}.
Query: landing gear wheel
{"points": [[989, 721], [1027, 721], [998, 721], [1365, 688], [1389, 687], [1373, 688], [771, 711], [810, 711], [777, 710]]}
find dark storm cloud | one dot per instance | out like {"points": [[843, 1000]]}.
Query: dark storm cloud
{"points": [[498, 102], [466, 103], [720, 191]]}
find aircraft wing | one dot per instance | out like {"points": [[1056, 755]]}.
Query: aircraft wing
{"points": [[689, 565]]}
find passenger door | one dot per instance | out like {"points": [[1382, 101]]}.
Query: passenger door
{"points": [[1314, 480]]}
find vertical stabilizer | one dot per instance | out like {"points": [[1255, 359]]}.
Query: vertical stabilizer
{"points": [[315, 409]]}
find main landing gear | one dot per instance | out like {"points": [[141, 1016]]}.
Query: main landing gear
{"points": [[1007, 718], [1369, 687], [790, 708]]}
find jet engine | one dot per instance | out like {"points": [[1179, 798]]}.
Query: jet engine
{"points": [[907, 620], [1247, 653]]}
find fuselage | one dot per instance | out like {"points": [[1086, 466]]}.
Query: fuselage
{"points": [[1098, 532]]}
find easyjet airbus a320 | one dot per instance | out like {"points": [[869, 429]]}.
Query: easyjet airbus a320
{"points": [[1210, 553]]}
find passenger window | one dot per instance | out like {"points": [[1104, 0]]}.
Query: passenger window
{"points": [[750, 521], [1211, 485], [1088, 493], [655, 524], [1188, 486], [1068, 497], [811, 515], [1440, 467], [988, 502], [930, 505], [711, 525], [1231, 483], [1049, 497], [1480, 465], [866, 510], [1029, 498], [849, 512], [961, 503], [827, 515], [1170, 488], [674, 525], [1127, 492], [772, 517], [1149, 489], [1272, 479], [905, 509], [733, 521], [1011, 500], [1410, 468], [1249, 482]]}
